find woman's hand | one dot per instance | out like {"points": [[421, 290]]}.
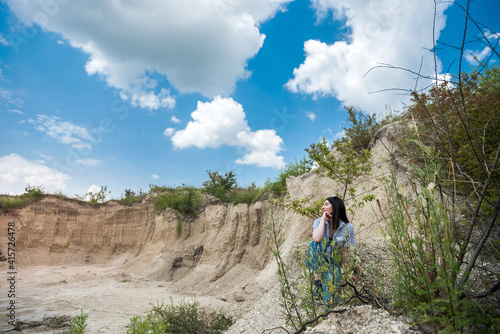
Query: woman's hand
{"points": [[327, 216]]}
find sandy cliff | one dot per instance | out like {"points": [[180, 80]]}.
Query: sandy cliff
{"points": [[222, 254], [57, 231]]}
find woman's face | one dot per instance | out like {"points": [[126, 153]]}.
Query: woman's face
{"points": [[327, 207]]}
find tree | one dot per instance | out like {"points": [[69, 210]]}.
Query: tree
{"points": [[220, 186], [341, 162]]}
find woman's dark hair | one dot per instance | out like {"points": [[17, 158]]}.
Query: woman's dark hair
{"points": [[339, 212]]}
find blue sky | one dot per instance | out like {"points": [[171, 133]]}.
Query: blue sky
{"points": [[128, 94]]}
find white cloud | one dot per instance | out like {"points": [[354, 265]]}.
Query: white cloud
{"points": [[174, 119], [474, 57], [393, 32], [3, 41], [15, 111], [16, 172], [168, 132], [94, 189], [264, 146], [10, 99], [198, 45], [339, 135], [64, 132], [46, 157], [154, 176], [60, 42], [222, 122], [148, 99], [89, 162], [311, 116]]}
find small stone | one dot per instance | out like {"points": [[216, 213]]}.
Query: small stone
{"points": [[239, 297]]}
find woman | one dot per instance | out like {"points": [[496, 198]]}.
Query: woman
{"points": [[332, 235]]}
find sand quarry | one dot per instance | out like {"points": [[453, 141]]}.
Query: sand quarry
{"points": [[112, 260]]}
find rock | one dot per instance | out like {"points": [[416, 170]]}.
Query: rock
{"points": [[239, 297]]}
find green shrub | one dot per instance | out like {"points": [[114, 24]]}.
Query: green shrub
{"points": [[463, 123], [131, 197], [178, 227], [248, 195], [31, 192], [78, 323], [296, 168], [420, 236], [155, 190], [94, 198], [222, 187], [363, 127], [150, 325], [186, 200], [184, 318], [34, 191]]}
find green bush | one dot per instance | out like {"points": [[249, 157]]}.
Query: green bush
{"points": [[463, 123], [31, 192], [363, 127], [186, 200], [420, 236], [131, 197], [94, 198], [248, 195], [78, 323], [178, 227], [155, 190], [150, 325], [220, 186], [184, 318], [296, 168]]}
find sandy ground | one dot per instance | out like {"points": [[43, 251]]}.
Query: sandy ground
{"points": [[107, 294], [111, 297]]}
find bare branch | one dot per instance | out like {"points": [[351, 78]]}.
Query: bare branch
{"points": [[272, 329], [481, 244], [478, 207], [301, 329], [486, 293]]}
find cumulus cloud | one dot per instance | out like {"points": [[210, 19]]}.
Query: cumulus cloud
{"points": [[222, 122], [64, 132], [92, 191], [311, 116], [474, 57], [16, 172], [174, 119], [168, 132], [154, 176], [148, 99], [199, 46], [395, 32]]}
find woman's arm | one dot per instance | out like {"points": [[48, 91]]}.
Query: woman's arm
{"points": [[320, 231]]}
